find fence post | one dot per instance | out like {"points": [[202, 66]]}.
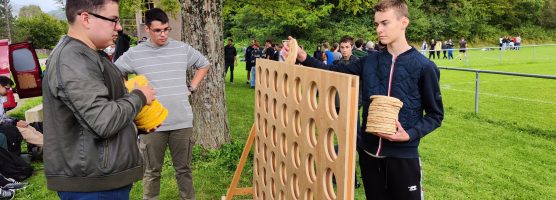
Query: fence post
{"points": [[476, 92], [533, 53], [466, 54], [500, 59]]}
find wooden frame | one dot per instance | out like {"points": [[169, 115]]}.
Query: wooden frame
{"points": [[296, 128]]}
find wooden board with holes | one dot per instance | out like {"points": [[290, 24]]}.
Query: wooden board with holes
{"points": [[297, 127]]}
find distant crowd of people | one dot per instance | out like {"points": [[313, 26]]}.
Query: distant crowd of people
{"points": [[510, 43], [270, 51], [346, 51], [435, 47]]}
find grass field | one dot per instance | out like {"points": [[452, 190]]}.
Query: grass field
{"points": [[507, 151]]}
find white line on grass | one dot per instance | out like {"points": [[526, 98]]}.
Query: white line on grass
{"points": [[502, 96], [482, 82]]}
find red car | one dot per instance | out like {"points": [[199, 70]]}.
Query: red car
{"points": [[20, 62]]}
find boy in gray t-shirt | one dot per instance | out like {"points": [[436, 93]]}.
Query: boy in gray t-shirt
{"points": [[165, 62]]}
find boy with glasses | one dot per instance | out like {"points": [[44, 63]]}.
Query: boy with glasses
{"points": [[90, 141], [164, 62]]}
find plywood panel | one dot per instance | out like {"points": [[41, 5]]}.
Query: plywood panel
{"points": [[297, 128]]}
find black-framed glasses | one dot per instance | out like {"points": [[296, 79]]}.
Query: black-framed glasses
{"points": [[116, 20], [160, 31]]}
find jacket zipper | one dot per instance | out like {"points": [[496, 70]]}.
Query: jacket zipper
{"points": [[389, 93], [105, 150]]}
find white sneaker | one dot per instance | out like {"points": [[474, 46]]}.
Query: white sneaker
{"points": [[7, 194]]}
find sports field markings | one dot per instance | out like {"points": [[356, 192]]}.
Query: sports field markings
{"points": [[501, 96], [482, 82]]}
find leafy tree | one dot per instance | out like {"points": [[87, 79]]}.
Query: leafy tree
{"points": [[128, 7], [356, 6], [548, 16], [29, 11], [6, 22], [475, 20], [43, 30], [269, 19]]}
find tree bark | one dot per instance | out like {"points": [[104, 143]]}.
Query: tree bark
{"points": [[202, 29]]}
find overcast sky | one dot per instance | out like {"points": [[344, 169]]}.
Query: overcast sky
{"points": [[46, 5]]}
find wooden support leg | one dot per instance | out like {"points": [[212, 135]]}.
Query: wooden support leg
{"points": [[233, 190]]}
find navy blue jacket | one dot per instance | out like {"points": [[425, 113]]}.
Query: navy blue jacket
{"points": [[415, 82]]}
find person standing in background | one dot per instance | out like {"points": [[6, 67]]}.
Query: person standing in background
{"points": [[230, 58], [122, 45], [432, 44], [462, 48], [248, 56], [450, 46]]}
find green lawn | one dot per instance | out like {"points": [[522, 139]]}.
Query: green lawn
{"points": [[507, 151]]}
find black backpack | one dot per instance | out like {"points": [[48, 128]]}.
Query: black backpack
{"points": [[13, 137], [13, 166]]}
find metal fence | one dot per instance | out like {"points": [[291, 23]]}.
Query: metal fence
{"points": [[499, 55], [477, 78]]}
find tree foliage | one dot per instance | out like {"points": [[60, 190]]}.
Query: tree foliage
{"points": [[29, 11], [128, 7], [5, 18], [548, 16], [43, 30], [318, 20], [260, 18]]}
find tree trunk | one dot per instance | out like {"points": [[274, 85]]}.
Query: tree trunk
{"points": [[202, 29]]}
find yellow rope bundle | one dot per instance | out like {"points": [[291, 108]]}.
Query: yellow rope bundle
{"points": [[151, 116]]}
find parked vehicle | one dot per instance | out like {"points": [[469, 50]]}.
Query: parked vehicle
{"points": [[20, 62]]}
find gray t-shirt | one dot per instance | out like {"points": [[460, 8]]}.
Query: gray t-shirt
{"points": [[3, 99], [165, 67]]}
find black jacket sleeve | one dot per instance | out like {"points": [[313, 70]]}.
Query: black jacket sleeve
{"points": [[432, 103], [353, 68]]}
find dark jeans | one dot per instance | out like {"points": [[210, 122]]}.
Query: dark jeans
{"points": [[3, 141], [115, 194], [230, 65], [431, 54]]}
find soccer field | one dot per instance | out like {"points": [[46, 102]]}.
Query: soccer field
{"points": [[507, 151], [526, 102]]}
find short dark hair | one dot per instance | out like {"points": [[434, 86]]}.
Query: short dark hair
{"points": [[230, 39], [156, 14], [347, 39], [399, 7], [76, 7], [359, 43], [335, 46], [268, 41], [6, 81]]}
